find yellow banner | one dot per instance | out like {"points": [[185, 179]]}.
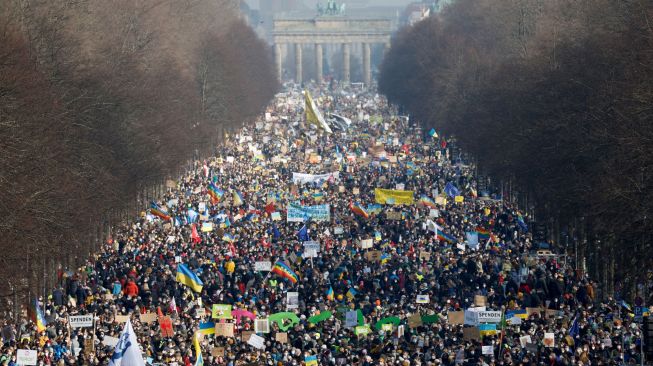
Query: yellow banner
{"points": [[393, 197]]}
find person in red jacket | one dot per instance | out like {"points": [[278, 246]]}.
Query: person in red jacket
{"points": [[131, 289]]}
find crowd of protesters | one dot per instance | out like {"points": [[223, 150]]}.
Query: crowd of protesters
{"points": [[135, 273]]}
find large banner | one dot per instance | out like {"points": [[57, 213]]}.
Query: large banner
{"points": [[301, 178], [393, 197], [299, 213]]}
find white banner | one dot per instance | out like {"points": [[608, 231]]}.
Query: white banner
{"points": [[302, 178], [263, 266], [26, 357], [81, 321]]}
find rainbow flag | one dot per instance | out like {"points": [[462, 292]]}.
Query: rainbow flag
{"points": [[283, 270], [238, 199], [157, 210], [446, 237], [483, 233], [215, 193], [329, 294], [359, 210], [39, 319], [428, 202]]}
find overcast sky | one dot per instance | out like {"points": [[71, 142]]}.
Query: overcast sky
{"points": [[311, 3]]}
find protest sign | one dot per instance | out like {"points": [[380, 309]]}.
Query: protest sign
{"points": [[281, 337], [221, 311], [262, 325], [26, 357], [245, 335], [256, 341], [312, 245], [351, 319], [366, 243], [422, 299], [110, 341], [394, 216], [148, 318], [373, 255], [456, 317], [549, 340], [217, 352], [224, 329], [395, 197], [81, 321], [301, 178], [121, 318], [480, 300], [263, 266], [414, 321], [524, 340], [292, 300], [362, 330], [299, 213], [488, 350]]}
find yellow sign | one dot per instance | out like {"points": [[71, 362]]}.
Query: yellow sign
{"points": [[393, 197], [459, 199]]}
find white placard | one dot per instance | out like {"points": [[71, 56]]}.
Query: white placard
{"points": [[400, 186], [292, 300], [263, 266], [422, 299], [367, 243], [201, 206], [488, 350], [312, 245], [81, 321], [351, 319], [309, 253], [256, 341], [262, 325], [26, 357], [338, 230]]}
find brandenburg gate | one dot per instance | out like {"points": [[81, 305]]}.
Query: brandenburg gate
{"points": [[334, 28]]}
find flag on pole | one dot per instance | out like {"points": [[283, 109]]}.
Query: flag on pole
{"points": [[282, 269], [238, 199], [451, 190], [428, 202], [199, 361], [329, 294], [215, 193], [158, 211], [359, 210], [207, 328], [302, 234], [187, 277], [173, 306], [313, 114], [39, 319], [194, 235], [127, 351]]}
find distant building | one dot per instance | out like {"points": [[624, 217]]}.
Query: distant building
{"points": [[417, 11]]}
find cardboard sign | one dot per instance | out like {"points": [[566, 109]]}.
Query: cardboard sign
{"points": [[224, 329], [282, 337], [471, 333], [393, 216], [148, 318], [356, 191], [81, 321], [480, 300], [414, 321], [424, 255], [26, 357], [217, 352], [456, 317], [121, 318], [263, 266], [531, 311], [373, 255]]}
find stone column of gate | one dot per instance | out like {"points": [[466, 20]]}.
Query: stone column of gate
{"points": [[367, 67], [346, 51], [318, 62], [298, 62], [278, 58]]}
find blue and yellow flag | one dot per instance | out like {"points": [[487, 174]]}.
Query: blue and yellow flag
{"points": [[207, 328], [40, 319], [187, 277], [238, 199], [199, 361], [329, 294]]}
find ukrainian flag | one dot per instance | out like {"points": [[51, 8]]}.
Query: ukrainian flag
{"points": [[187, 277], [310, 361], [329, 294], [207, 328], [238, 199], [198, 351]]}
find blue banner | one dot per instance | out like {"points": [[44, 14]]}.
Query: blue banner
{"points": [[299, 213]]}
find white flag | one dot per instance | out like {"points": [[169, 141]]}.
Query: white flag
{"points": [[127, 351], [432, 226]]}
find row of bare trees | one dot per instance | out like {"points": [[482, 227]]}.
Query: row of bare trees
{"points": [[100, 101], [554, 96]]}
